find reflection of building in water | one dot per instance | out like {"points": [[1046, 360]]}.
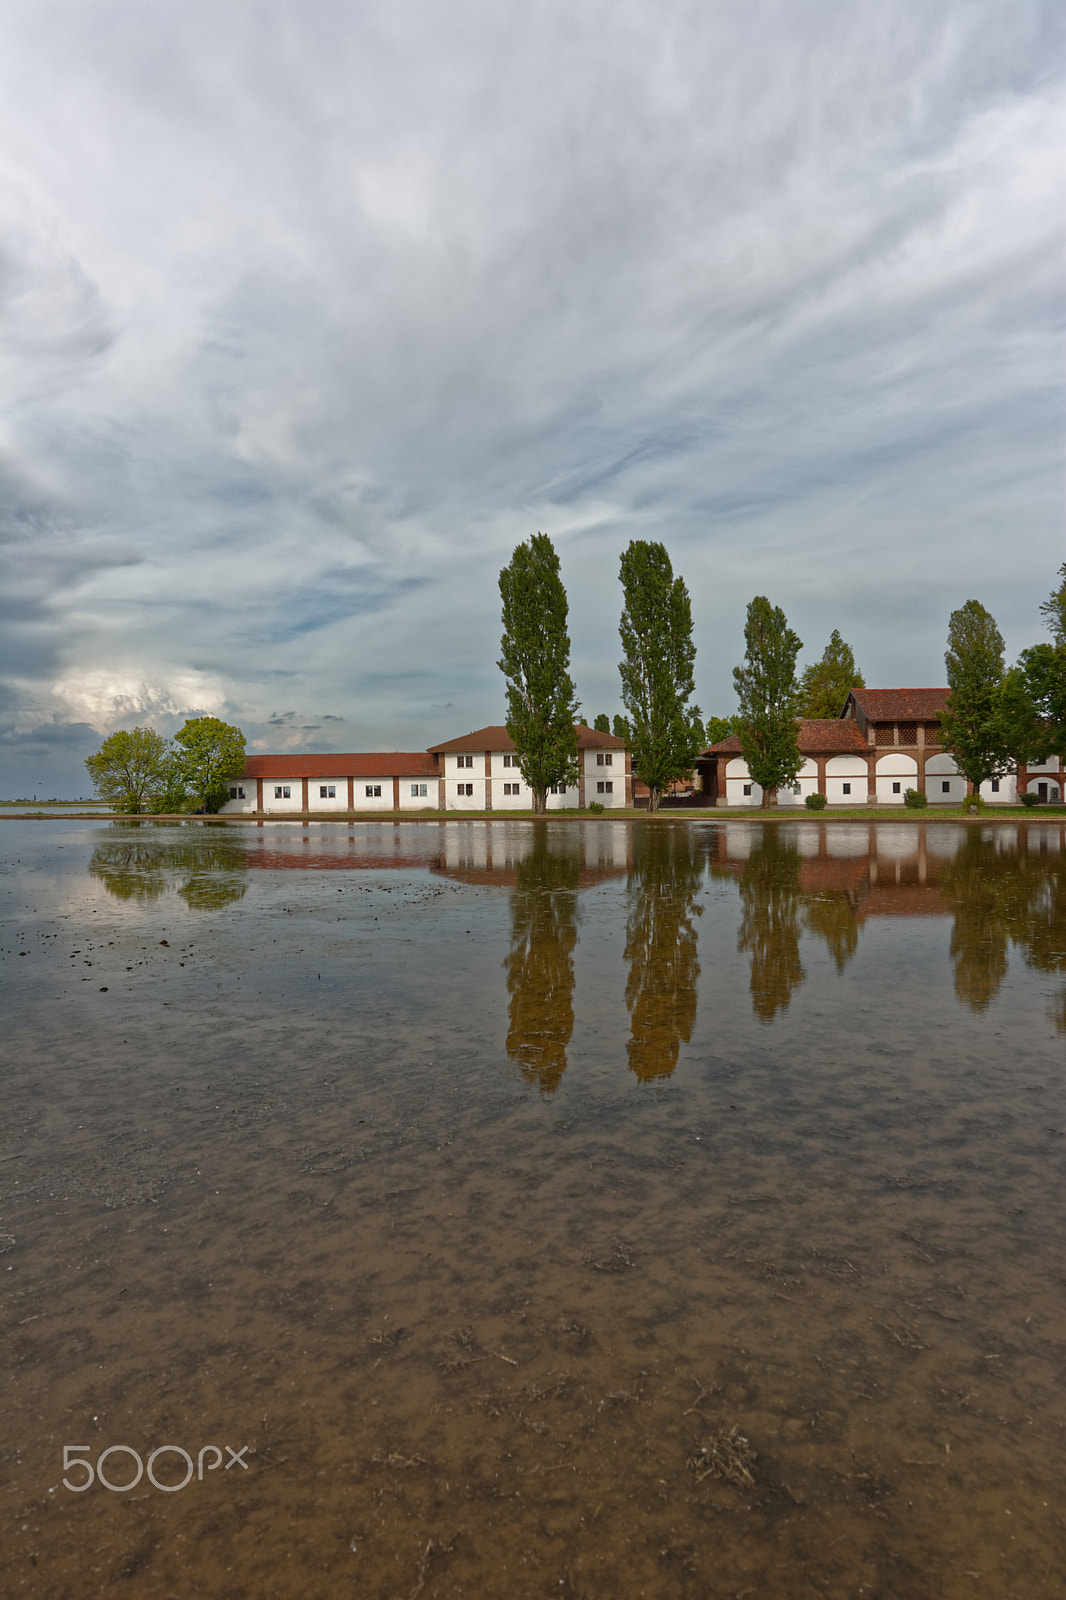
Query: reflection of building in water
{"points": [[1003, 886], [661, 949], [142, 861]]}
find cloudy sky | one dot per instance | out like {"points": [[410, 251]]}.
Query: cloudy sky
{"points": [[310, 310]]}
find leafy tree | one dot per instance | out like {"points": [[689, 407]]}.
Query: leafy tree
{"points": [[602, 723], [769, 698], [620, 729], [535, 660], [825, 684], [1044, 667], [666, 734], [211, 752], [975, 725], [540, 963], [128, 770], [715, 729]]}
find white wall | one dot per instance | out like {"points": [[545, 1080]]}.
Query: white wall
{"points": [[846, 781], [892, 770], [606, 767]]}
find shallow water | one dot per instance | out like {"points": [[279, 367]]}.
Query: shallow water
{"points": [[478, 1177]]}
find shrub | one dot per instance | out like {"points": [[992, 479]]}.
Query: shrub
{"points": [[815, 802], [1029, 798], [596, 807], [915, 800]]}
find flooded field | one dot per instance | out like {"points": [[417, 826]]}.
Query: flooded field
{"points": [[579, 1209]]}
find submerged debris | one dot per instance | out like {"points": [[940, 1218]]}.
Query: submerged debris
{"points": [[726, 1455]]}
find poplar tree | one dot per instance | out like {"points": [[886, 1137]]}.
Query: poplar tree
{"points": [[665, 732], [825, 684], [769, 699], [535, 660], [974, 725]]}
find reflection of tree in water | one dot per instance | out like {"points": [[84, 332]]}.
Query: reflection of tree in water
{"points": [[770, 926], [1002, 893], [832, 918], [540, 965], [661, 949], [142, 861]]}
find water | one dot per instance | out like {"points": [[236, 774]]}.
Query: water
{"points": [[486, 1184]]}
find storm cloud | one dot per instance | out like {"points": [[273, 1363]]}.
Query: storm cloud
{"points": [[312, 312]]}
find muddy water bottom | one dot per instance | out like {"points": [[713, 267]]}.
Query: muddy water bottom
{"points": [[357, 1174]]}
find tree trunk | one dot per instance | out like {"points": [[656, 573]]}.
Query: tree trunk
{"points": [[654, 797], [769, 798], [540, 801]]}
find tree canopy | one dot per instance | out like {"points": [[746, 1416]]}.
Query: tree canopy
{"points": [[131, 768], [210, 753], [975, 724], [665, 732], [535, 660], [824, 685], [1044, 669], [769, 698], [602, 723]]}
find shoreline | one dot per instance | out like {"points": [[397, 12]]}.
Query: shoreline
{"points": [[784, 814]]}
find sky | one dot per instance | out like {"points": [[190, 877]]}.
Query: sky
{"points": [[310, 312]]}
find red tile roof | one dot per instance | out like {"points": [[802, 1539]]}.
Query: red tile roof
{"points": [[901, 705], [362, 764], [819, 736], [497, 738]]}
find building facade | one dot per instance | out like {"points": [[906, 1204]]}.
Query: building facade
{"points": [[884, 742], [477, 772]]}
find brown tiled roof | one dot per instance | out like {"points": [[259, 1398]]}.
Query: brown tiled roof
{"points": [[497, 738], [901, 705], [361, 764], [818, 736]]}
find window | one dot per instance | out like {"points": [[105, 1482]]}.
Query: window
{"points": [[277, 791], [945, 787], [510, 788], [236, 793], [605, 788], [797, 789], [282, 791], [464, 761], [747, 788], [557, 789], [896, 788], [327, 791], [508, 761], [605, 760], [373, 791], [995, 785], [417, 790], [847, 788], [465, 788]]}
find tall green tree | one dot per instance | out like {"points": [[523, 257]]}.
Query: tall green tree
{"points": [[975, 725], [535, 660], [620, 728], [1044, 667], [769, 698], [602, 723], [666, 734], [715, 729], [129, 770], [210, 753], [824, 685]]}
